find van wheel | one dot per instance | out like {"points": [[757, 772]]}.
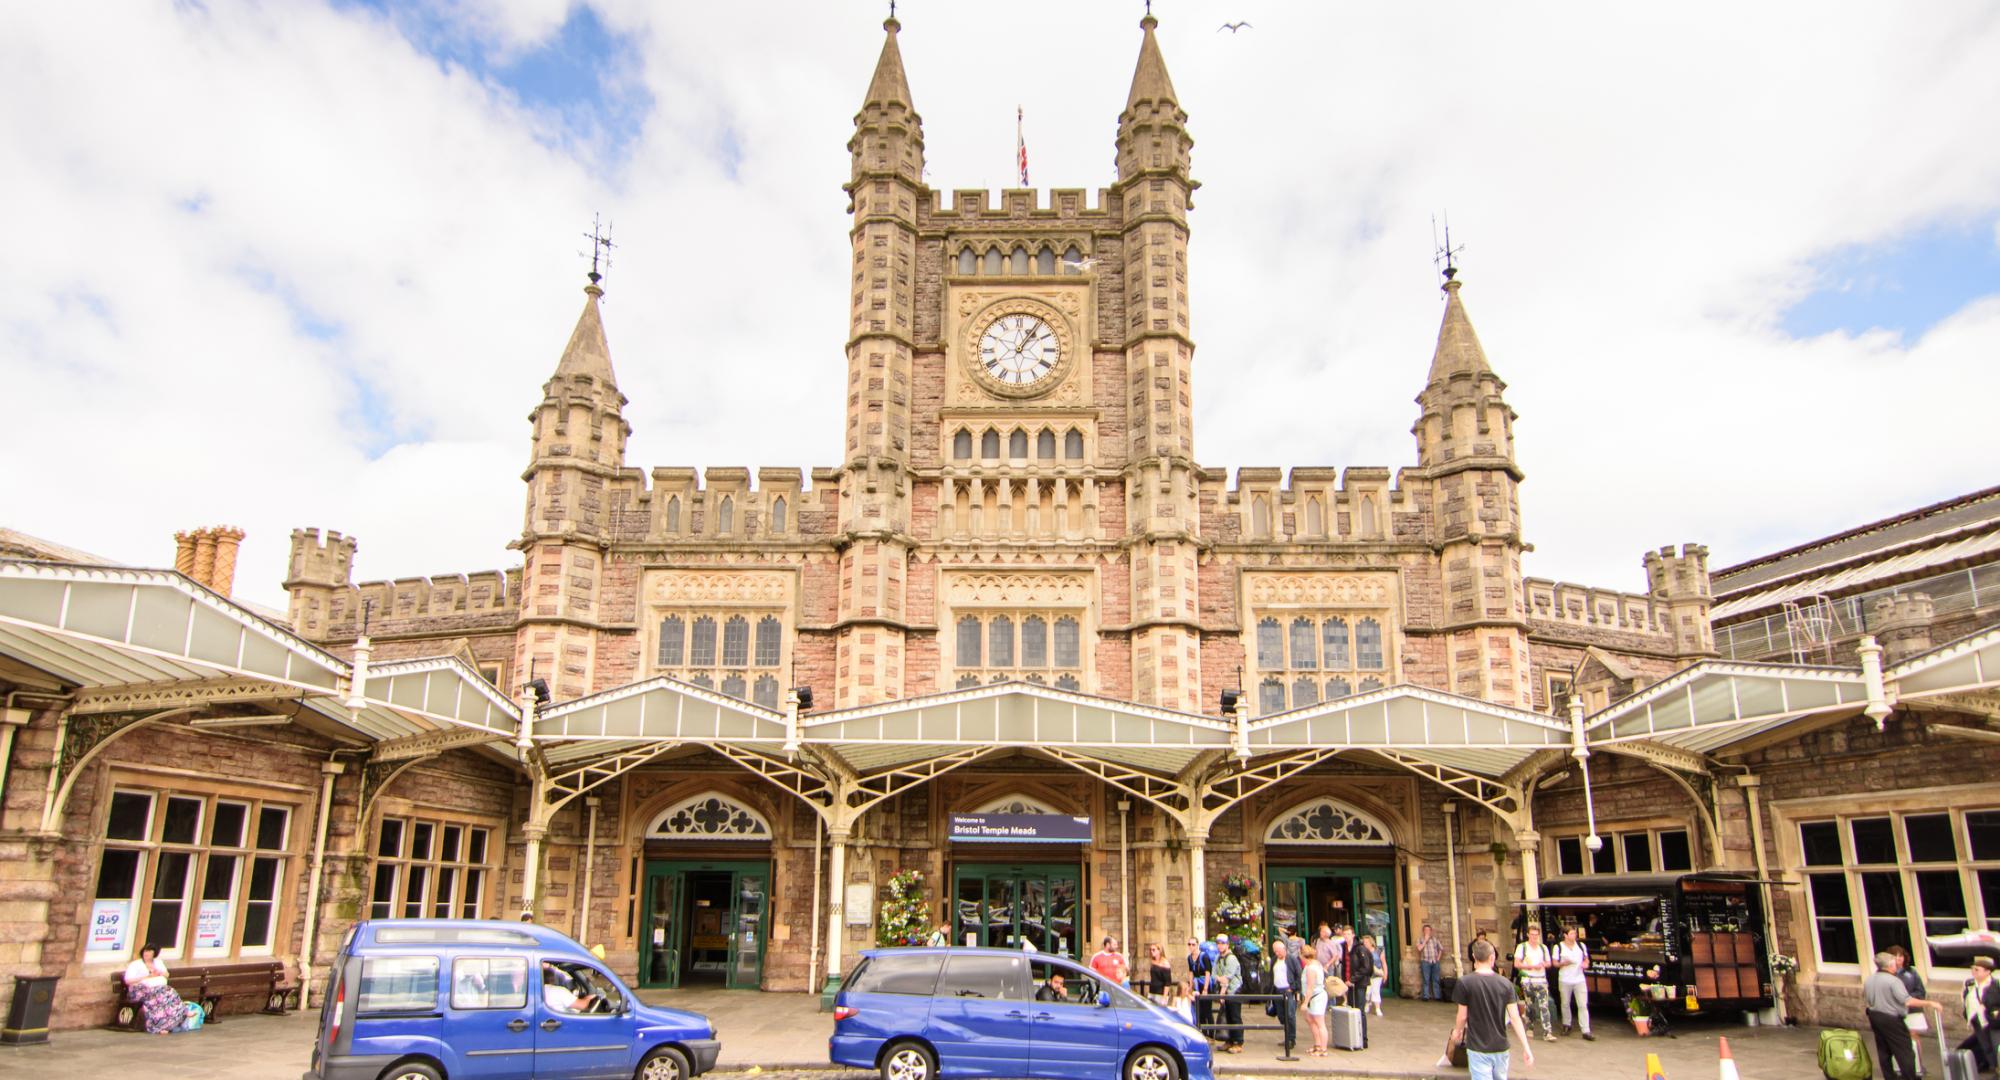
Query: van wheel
{"points": [[665, 1063], [412, 1070], [1151, 1063], [909, 1061]]}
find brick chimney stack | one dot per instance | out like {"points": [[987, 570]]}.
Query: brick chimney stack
{"points": [[208, 556], [1902, 624]]}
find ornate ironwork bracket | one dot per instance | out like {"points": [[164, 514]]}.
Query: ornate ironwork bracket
{"points": [[1166, 794], [83, 738], [376, 776], [1490, 794], [568, 784], [1219, 795]]}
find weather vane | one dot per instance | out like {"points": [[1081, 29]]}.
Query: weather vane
{"points": [[600, 248], [1446, 255]]}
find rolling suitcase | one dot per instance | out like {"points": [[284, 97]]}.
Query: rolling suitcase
{"points": [[1958, 1064], [1346, 1024]]}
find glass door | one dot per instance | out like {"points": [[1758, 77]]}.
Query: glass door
{"points": [[1285, 905], [1375, 913], [659, 937], [1007, 907], [746, 935]]}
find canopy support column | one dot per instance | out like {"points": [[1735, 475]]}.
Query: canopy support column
{"points": [[1197, 847], [328, 770], [589, 866], [1531, 870], [1450, 809], [1749, 784], [837, 836]]}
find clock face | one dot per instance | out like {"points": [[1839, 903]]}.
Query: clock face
{"points": [[1018, 350]]}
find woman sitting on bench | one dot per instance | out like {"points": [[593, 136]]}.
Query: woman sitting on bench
{"points": [[146, 984]]}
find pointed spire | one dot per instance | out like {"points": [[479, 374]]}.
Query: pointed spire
{"points": [[889, 86], [587, 353], [1458, 351], [1149, 79]]}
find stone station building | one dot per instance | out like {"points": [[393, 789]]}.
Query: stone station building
{"points": [[1017, 594]]}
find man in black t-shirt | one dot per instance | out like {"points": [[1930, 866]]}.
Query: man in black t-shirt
{"points": [[1487, 1008]]}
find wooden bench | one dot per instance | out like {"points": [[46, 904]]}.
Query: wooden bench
{"points": [[209, 985]]}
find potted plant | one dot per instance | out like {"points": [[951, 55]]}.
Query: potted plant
{"points": [[905, 918], [1238, 909], [1639, 1010]]}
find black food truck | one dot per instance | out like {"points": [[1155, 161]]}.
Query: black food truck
{"points": [[1688, 942]]}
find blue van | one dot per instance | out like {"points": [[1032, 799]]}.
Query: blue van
{"points": [[459, 999], [921, 1014]]}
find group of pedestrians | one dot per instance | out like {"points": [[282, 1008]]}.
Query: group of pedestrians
{"points": [[1897, 1003]]}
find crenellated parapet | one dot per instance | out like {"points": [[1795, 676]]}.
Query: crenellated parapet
{"points": [[1569, 604], [721, 503], [1316, 504]]}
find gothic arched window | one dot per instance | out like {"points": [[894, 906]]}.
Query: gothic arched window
{"points": [[725, 517], [1000, 642], [674, 514], [994, 263], [1270, 697], [969, 632], [736, 642], [1368, 645], [1305, 651], [702, 652], [1304, 692], [1074, 258], [1073, 445], [1336, 643], [989, 445], [765, 693], [1045, 445], [968, 262], [1315, 518], [1270, 645], [1370, 683], [1034, 642], [1045, 261], [1324, 821], [1020, 260], [1069, 644], [778, 515], [712, 816], [1337, 689], [1260, 518], [1017, 445], [1067, 682], [673, 641], [769, 634], [733, 685], [961, 445]]}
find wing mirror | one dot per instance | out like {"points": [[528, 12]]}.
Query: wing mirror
{"points": [[1104, 999]]}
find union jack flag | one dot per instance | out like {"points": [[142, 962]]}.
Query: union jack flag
{"points": [[1021, 146]]}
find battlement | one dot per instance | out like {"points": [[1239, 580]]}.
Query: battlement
{"points": [[722, 502], [1588, 606], [490, 591], [1018, 204], [317, 561], [1678, 577], [1314, 503]]}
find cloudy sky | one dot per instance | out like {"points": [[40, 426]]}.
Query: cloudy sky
{"points": [[300, 263]]}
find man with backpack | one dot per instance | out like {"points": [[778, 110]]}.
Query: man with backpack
{"points": [[1201, 976], [1531, 966], [1229, 980], [1572, 958]]}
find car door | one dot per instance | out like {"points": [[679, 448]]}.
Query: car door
{"points": [[491, 1019], [579, 1041], [979, 1019], [1074, 1035]]}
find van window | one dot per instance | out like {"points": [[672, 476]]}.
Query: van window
{"points": [[569, 987], [898, 975], [1074, 989], [398, 984], [980, 977], [449, 935], [489, 982]]}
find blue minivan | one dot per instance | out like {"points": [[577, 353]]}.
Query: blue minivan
{"points": [[460, 999], [921, 1014]]}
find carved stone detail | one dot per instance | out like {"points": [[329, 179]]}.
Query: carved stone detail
{"points": [[1322, 590], [1326, 821], [761, 588], [1017, 588]]}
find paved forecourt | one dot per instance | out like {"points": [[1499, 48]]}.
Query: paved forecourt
{"points": [[785, 1033]]}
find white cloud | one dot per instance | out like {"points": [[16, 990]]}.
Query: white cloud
{"points": [[1641, 191]]}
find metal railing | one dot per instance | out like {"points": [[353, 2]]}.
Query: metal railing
{"points": [[1772, 636]]}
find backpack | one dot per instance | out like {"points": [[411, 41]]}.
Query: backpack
{"points": [[1842, 1057], [1253, 972], [196, 1017]]}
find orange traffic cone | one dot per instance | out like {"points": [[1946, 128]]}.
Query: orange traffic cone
{"points": [[1728, 1063], [1654, 1070]]}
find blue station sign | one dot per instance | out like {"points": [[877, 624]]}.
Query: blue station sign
{"points": [[1020, 829]]}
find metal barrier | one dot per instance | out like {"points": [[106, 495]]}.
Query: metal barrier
{"points": [[1217, 1001]]}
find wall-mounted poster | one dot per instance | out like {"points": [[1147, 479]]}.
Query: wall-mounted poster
{"points": [[860, 898], [211, 925], [109, 923]]}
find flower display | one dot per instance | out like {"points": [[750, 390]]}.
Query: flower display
{"points": [[905, 918], [1239, 907]]}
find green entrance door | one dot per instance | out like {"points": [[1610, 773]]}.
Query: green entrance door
{"points": [[1001, 906], [1362, 897], [705, 922]]}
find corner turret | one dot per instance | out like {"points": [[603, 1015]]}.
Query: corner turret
{"points": [[1680, 583]]}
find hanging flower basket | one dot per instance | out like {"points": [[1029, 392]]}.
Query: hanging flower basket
{"points": [[905, 917], [1239, 907]]}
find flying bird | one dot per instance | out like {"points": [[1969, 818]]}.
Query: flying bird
{"points": [[1233, 27], [1079, 265]]}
